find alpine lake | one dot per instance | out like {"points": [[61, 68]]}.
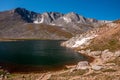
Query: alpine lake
{"points": [[37, 55]]}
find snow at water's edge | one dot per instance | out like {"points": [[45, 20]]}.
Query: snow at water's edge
{"points": [[83, 41]]}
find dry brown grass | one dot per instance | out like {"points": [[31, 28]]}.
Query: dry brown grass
{"points": [[50, 29], [107, 39], [57, 30], [117, 21]]}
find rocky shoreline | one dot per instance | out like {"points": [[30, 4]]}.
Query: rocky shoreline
{"points": [[101, 59], [106, 66]]}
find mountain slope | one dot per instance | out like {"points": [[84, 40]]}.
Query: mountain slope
{"points": [[105, 37], [108, 39], [33, 31], [14, 24]]}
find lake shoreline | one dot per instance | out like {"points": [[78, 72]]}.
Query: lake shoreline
{"points": [[25, 71], [11, 67], [26, 39]]}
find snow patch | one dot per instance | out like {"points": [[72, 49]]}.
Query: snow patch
{"points": [[52, 24], [67, 19], [42, 20], [37, 21], [84, 41]]}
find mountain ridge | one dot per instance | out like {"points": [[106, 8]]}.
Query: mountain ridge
{"points": [[32, 14], [16, 21]]}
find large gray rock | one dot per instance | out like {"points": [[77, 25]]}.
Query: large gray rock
{"points": [[97, 67], [83, 65]]}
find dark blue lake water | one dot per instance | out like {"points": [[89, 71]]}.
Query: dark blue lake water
{"points": [[33, 53]]}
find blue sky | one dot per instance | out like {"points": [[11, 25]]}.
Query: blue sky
{"points": [[99, 9]]}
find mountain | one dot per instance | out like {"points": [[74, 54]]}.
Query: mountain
{"points": [[99, 39], [20, 23]]}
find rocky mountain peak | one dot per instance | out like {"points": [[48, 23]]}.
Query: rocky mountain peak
{"points": [[71, 17], [56, 15], [49, 17], [55, 18], [18, 10], [28, 16], [72, 23]]}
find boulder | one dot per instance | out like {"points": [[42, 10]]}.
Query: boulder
{"points": [[97, 67], [88, 51], [107, 56], [117, 54], [83, 65]]}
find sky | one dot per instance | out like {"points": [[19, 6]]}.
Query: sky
{"points": [[98, 9]]}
